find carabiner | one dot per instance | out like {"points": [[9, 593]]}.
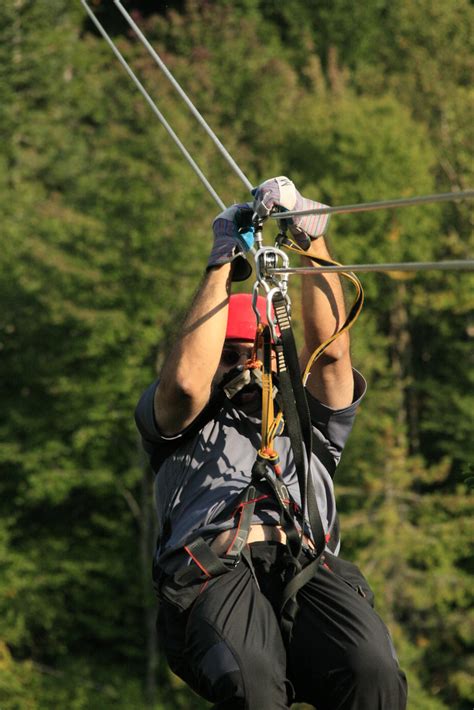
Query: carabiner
{"points": [[272, 322], [267, 258], [256, 287]]}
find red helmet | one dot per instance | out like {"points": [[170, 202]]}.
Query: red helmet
{"points": [[241, 321]]}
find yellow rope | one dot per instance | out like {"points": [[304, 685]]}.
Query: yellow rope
{"points": [[270, 422]]}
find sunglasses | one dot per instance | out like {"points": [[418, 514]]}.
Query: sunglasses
{"points": [[232, 356]]}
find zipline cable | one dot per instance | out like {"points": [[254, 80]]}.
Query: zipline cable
{"points": [[184, 96], [466, 265], [382, 205], [153, 107], [343, 209]]}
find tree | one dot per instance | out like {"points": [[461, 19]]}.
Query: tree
{"points": [[106, 231]]}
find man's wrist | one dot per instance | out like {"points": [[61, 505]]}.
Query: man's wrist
{"points": [[318, 248]]}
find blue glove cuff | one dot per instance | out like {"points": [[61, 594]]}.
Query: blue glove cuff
{"points": [[246, 238]]}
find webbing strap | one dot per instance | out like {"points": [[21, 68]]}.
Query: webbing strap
{"points": [[298, 422], [297, 418], [268, 416], [351, 316], [205, 560], [262, 474], [246, 508], [289, 605]]}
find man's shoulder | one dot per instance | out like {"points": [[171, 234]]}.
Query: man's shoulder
{"points": [[157, 444]]}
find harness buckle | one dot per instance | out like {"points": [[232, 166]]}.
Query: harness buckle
{"points": [[230, 561], [262, 470]]}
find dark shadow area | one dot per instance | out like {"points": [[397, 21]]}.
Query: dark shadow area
{"points": [[109, 15]]}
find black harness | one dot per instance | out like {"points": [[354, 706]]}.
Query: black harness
{"points": [[266, 482]]}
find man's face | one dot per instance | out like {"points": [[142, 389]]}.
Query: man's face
{"points": [[235, 353]]}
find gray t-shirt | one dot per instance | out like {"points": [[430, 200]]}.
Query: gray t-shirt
{"points": [[201, 471]]}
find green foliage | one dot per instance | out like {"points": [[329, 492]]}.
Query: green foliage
{"points": [[100, 257]]}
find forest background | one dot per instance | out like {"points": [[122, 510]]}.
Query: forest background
{"points": [[104, 236]]}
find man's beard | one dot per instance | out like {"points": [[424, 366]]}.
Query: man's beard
{"points": [[249, 400]]}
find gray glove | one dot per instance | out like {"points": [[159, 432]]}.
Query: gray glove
{"points": [[281, 192], [233, 237]]}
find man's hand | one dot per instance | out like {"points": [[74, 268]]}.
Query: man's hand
{"points": [[233, 237], [331, 380], [281, 192]]}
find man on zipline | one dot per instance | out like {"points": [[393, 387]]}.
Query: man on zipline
{"points": [[227, 536]]}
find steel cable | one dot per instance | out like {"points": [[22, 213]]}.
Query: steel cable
{"points": [[466, 265], [184, 96], [382, 205], [154, 107]]}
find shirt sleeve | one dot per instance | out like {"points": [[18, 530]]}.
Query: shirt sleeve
{"points": [[156, 444], [335, 425]]}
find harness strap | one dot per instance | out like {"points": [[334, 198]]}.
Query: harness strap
{"points": [[205, 560], [298, 422], [289, 605], [268, 415], [246, 508], [297, 418], [263, 473]]}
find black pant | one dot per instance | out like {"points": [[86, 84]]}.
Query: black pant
{"points": [[228, 647]]}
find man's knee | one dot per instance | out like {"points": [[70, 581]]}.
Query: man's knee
{"points": [[253, 677], [374, 673], [368, 662], [220, 674], [252, 680]]}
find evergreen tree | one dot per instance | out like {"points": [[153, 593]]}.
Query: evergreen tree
{"points": [[105, 235]]}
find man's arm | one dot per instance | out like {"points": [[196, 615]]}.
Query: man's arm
{"points": [[331, 380], [186, 377]]}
